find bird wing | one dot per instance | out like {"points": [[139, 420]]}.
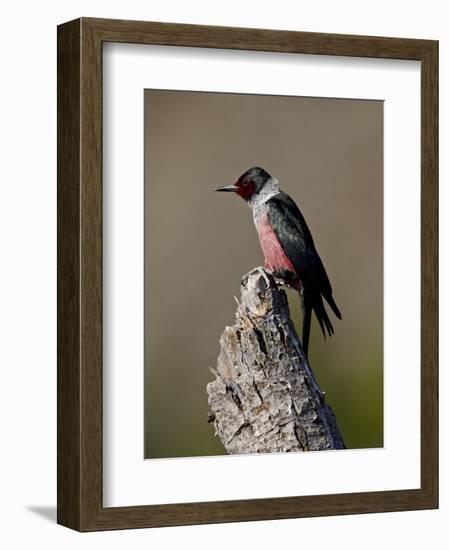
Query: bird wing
{"points": [[296, 240]]}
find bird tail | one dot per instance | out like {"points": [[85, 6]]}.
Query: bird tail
{"points": [[314, 301], [321, 315], [333, 305]]}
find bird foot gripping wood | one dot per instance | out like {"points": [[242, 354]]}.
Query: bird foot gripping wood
{"points": [[265, 398]]}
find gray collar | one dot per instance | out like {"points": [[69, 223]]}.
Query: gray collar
{"points": [[270, 189]]}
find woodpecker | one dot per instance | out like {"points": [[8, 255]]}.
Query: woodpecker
{"points": [[288, 247]]}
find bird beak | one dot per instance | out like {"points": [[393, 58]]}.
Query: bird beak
{"points": [[227, 188]]}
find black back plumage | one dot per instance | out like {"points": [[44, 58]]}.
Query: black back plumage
{"points": [[296, 240]]}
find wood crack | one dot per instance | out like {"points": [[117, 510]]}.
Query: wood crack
{"points": [[265, 398]]}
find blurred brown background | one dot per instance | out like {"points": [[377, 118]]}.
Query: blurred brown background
{"points": [[327, 154]]}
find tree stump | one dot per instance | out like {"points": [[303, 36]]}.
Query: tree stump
{"points": [[265, 398]]}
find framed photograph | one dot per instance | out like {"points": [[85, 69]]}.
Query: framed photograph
{"points": [[269, 350]]}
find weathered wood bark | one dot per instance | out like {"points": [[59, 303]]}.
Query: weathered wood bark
{"points": [[265, 398]]}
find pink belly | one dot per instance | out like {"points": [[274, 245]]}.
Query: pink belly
{"points": [[275, 258]]}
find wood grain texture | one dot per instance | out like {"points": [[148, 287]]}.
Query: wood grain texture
{"points": [[429, 272], [69, 407], [265, 398], [80, 274], [91, 294], [144, 32]]}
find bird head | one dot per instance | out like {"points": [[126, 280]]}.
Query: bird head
{"points": [[249, 184]]}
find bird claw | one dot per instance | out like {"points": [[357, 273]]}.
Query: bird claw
{"points": [[280, 283]]}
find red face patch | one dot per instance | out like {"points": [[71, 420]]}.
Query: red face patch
{"points": [[245, 188]]}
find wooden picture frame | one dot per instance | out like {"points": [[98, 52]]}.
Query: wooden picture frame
{"points": [[80, 503]]}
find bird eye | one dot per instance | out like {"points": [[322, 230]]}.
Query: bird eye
{"points": [[245, 183]]}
